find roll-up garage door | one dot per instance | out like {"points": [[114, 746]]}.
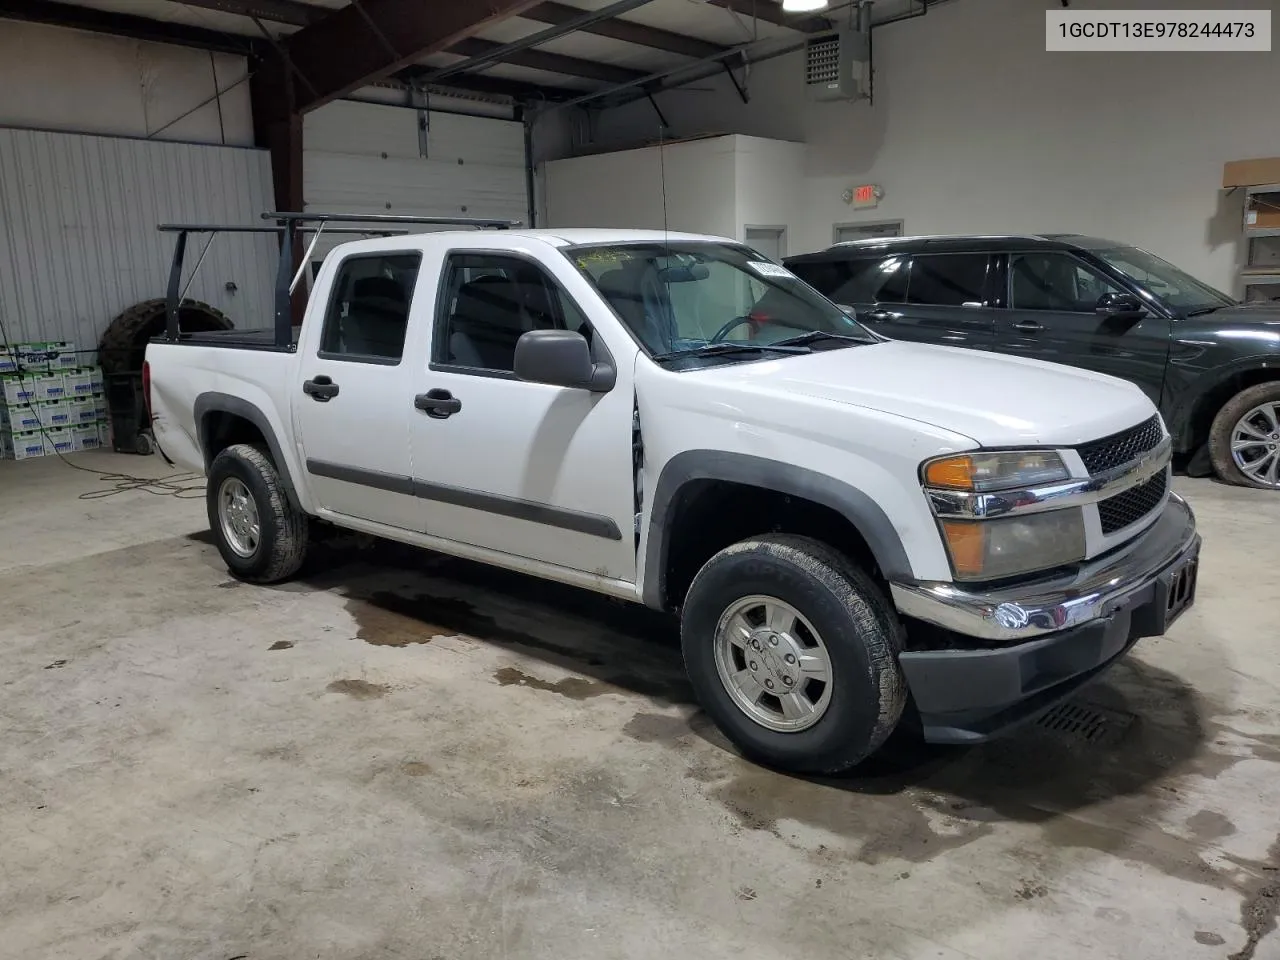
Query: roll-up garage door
{"points": [[368, 158]]}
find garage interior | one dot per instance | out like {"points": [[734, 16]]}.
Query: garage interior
{"points": [[401, 754]]}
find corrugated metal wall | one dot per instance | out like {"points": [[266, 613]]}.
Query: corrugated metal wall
{"points": [[367, 158], [78, 238]]}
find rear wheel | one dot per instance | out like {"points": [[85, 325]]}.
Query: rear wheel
{"points": [[793, 651], [1244, 441], [261, 536]]}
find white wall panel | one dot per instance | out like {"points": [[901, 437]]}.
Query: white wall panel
{"points": [[626, 190], [78, 238], [368, 158], [57, 79]]}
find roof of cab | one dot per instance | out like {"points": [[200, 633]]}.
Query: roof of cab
{"points": [[497, 239]]}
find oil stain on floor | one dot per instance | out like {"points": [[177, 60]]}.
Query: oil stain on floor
{"points": [[359, 689]]}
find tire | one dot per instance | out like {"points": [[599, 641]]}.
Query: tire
{"points": [[281, 545], [1224, 425], [858, 627], [124, 343]]}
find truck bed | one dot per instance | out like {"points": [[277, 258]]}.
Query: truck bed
{"points": [[234, 339]]}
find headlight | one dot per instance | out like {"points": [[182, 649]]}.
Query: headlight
{"points": [[982, 472], [993, 549]]}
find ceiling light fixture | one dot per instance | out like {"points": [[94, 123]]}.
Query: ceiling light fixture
{"points": [[804, 6]]}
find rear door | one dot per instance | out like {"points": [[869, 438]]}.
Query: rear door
{"points": [[1048, 312], [948, 301], [355, 396]]}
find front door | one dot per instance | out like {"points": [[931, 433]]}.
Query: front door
{"points": [[354, 399], [1051, 315], [527, 469]]}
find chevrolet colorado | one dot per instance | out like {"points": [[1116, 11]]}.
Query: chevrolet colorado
{"points": [[851, 529]]}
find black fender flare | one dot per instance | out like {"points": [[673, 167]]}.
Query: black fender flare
{"points": [[1182, 412], [853, 504], [214, 402]]}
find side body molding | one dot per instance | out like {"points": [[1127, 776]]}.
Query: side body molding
{"points": [[692, 465]]}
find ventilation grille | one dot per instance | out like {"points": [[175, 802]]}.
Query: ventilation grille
{"points": [[1132, 505], [1087, 723], [1109, 452], [822, 61]]}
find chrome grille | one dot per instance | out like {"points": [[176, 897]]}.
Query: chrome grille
{"points": [[1110, 452], [1135, 503]]}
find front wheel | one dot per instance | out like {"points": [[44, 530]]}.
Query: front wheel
{"points": [[261, 536], [793, 652], [1244, 441]]}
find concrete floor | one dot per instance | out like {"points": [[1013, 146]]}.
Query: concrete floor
{"points": [[405, 756]]}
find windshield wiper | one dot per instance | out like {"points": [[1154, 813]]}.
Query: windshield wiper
{"points": [[817, 336], [717, 349], [1202, 311]]}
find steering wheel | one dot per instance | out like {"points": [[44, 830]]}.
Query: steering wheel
{"points": [[732, 325]]}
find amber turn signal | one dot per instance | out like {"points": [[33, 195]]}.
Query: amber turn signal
{"points": [[965, 543], [954, 473]]}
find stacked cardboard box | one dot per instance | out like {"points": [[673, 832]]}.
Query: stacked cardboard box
{"points": [[48, 402]]}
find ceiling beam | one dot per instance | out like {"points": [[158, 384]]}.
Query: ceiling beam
{"points": [[627, 31], [371, 39], [293, 12], [474, 47], [576, 23], [771, 12], [124, 25], [492, 86]]}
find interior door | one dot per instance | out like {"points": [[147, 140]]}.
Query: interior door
{"points": [[846, 232], [770, 241], [1051, 315], [946, 300], [354, 401], [531, 470]]}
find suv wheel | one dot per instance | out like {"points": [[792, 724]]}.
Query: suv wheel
{"points": [[793, 651], [260, 535], [1244, 441]]}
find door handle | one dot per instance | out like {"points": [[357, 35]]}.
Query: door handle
{"points": [[321, 389], [1028, 326], [880, 316], [438, 404]]}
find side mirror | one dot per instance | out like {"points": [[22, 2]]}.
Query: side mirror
{"points": [[1121, 306], [562, 358]]}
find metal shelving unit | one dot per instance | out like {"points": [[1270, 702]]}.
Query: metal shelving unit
{"points": [[1262, 266]]}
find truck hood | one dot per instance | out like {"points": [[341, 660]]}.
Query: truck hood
{"points": [[994, 400]]}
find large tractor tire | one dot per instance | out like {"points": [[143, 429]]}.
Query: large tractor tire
{"points": [[124, 345]]}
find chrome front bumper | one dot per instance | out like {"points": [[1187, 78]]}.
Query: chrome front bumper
{"points": [[1096, 591]]}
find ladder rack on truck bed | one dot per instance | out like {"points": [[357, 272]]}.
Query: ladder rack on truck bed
{"points": [[289, 226]]}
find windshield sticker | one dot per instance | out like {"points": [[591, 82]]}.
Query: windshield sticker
{"points": [[771, 270], [605, 257]]}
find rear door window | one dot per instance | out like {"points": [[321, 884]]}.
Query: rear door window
{"points": [[949, 279], [368, 313], [868, 280]]}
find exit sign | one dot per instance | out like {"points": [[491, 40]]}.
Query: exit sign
{"points": [[867, 195]]}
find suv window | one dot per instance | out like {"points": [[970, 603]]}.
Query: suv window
{"points": [[368, 311], [491, 301], [1055, 281], [948, 279], [870, 280]]}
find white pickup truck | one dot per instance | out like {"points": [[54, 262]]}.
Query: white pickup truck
{"points": [[852, 530]]}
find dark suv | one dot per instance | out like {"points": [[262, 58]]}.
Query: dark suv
{"points": [[1210, 363]]}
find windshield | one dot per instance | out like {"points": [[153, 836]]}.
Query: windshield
{"points": [[1177, 289], [682, 298]]}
